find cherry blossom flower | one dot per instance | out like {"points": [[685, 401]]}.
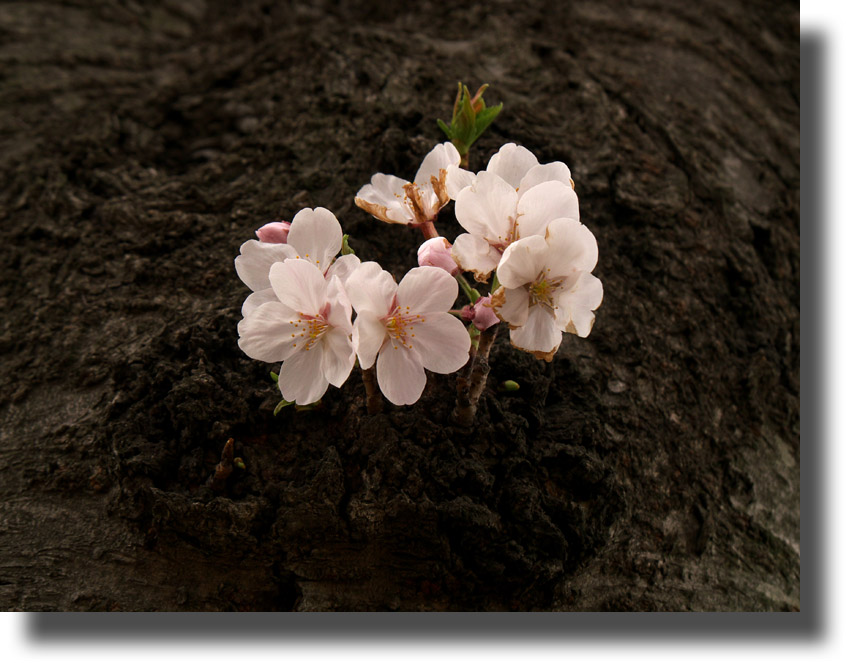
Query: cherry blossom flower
{"points": [[395, 200], [405, 329], [275, 232], [515, 197], [314, 235], [481, 314], [435, 252], [547, 287], [307, 326]]}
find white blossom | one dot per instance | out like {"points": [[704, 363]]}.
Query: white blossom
{"points": [[547, 287], [405, 329], [395, 200]]}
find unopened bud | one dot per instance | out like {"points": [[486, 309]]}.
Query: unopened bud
{"points": [[510, 385], [275, 232], [484, 315], [435, 252]]}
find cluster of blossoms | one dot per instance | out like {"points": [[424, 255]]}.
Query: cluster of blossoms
{"points": [[522, 226]]}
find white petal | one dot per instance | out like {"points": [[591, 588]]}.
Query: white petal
{"points": [[427, 289], [316, 235], [572, 247], [487, 208], [457, 180], [400, 374], [547, 172], [576, 305], [442, 342], [539, 335], [253, 265], [299, 285], [256, 299], [543, 203], [440, 158], [301, 378], [269, 333], [511, 305], [369, 334], [386, 192], [511, 163], [338, 356], [343, 267], [522, 261], [371, 288], [473, 254], [340, 309]]}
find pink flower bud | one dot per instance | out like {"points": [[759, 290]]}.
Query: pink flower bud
{"points": [[484, 315], [274, 233], [435, 252]]}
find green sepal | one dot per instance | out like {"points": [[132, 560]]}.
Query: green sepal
{"points": [[280, 405], [346, 249], [274, 376], [474, 335]]}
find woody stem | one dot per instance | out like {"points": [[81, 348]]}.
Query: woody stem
{"points": [[473, 378], [374, 396]]}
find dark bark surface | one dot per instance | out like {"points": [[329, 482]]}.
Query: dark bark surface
{"points": [[651, 466]]}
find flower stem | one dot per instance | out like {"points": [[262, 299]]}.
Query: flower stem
{"points": [[473, 378], [428, 230], [374, 396], [471, 293]]}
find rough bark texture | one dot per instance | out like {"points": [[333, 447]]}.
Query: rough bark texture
{"points": [[651, 466]]}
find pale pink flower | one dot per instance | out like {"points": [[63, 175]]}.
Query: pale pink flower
{"points": [[547, 288], [435, 252], [395, 200], [275, 232], [405, 329], [481, 314], [307, 326]]}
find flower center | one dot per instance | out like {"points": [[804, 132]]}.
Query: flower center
{"points": [[542, 289], [400, 325], [310, 328]]}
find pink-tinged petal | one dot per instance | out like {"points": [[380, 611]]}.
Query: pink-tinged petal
{"points": [[400, 375], [338, 356], [575, 305], [316, 235], [269, 334], [340, 309], [371, 288], [301, 378], [539, 335], [253, 265], [572, 247], [369, 335], [343, 267], [442, 342], [547, 172], [522, 261], [483, 314], [426, 289], [256, 299], [299, 285], [440, 158], [435, 252], [473, 254], [384, 198], [458, 179], [488, 208], [543, 203], [512, 306], [275, 232], [511, 163]]}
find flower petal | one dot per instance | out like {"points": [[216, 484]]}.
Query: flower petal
{"points": [[256, 299], [511, 305], [543, 203], [473, 254], [539, 335], [368, 337], [316, 235], [268, 334], [253, 265], [457, 179], [343, 267], [400, 374], [299, 285], [547, 172], [572, 247], [442, 343], [440, 158], [511, 163], [338, 356], [384, 198], [575, 306], [371, 288], [487, 208], [340, 309], [301, 378], [427, 289], [522, 261]]}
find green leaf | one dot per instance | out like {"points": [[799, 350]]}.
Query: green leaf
{"points": [[280, 405], [484, 119], [274, 376], [445, 129], [346, 249]]}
